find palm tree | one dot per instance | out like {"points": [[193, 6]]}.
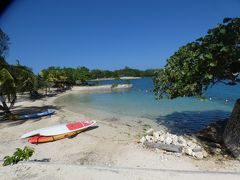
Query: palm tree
{"points": [[13, 79]]}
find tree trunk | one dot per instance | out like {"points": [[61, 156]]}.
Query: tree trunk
{"points": [[231, 136], [13, 102], [5, 108]]}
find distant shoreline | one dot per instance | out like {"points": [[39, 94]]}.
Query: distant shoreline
{"points": [[101, 88], [121, 78]]}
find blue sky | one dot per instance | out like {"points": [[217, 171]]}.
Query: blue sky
{"points": [[107, 34]]}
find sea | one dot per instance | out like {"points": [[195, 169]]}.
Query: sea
{"points": [[180, 115]]}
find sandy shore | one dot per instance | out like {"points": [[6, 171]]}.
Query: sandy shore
{"points": [[107, 152], [122, 78], [101, 87]]}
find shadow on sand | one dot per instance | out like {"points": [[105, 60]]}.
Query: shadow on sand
{"points": [[188, 122], [26, 110]]}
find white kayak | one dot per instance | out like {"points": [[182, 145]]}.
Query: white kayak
{"points": [[60, 129]]}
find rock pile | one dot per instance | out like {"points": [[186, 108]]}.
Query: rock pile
{"points": [[173, 143]]}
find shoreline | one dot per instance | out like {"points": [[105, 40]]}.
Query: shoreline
{"points": [[121, 78], [112, 144], [102, 87]]}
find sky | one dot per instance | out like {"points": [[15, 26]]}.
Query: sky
{"points": [[107, 34]]}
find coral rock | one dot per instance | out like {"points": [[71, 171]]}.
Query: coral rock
{"points": [[168, 140], [198, 155], [150, 131], [149, 138], [142, 140]]}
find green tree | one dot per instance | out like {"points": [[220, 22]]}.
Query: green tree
{"points": [[128, 72], [97, 73], [210, 59], [196, 66], [55, 76], [13, 78], [83, 74]]}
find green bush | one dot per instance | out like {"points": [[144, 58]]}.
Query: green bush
{"points": [[114, 85], [19, 155]]}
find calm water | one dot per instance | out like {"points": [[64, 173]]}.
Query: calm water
{"points": [[179, 115]]}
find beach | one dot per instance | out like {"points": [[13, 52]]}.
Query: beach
{"points": [[110, 150]]}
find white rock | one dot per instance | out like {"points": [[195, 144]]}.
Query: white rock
{"points": [[150, 131], [205, 154], [188, 151], [198, 155], [155, 139], [193, 145], [189, 143], [175, 140], [149, 138], [197, 149], [194, 140], [142, 140], [161, 138], [156, 134], [184, 144], [218, 150], [173, 136], [181, 140], [167, 134], [168, 140], [161, 132]]}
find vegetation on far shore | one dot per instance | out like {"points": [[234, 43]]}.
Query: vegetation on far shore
{"points": [[16, 78], [82, 74]]}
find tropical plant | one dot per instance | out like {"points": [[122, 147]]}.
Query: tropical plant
{"points": [[18, 155], [13, 78], [211, 59], [208, 60]]}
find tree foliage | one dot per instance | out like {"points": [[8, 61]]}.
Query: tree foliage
{"points": [[13, 78], [18, 155], [210, 59], [83, 74], [65, 76]]}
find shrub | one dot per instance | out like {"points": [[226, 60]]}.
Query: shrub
{"points": [[19, 155]]}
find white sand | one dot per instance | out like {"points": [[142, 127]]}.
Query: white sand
{"points": [[110, 151]]}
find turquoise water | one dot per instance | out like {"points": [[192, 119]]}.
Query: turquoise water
{"points": [[179, 115]]}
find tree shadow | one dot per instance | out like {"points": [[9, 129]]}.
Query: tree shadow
{"points": [[26, 110], [189, 122]]}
